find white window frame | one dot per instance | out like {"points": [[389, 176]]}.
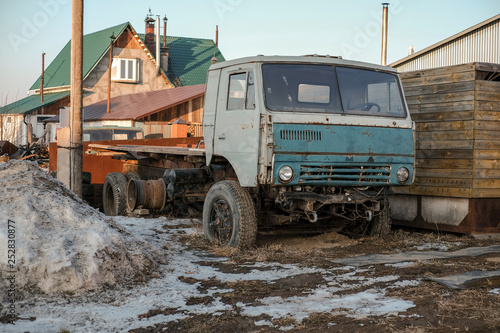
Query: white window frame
{"points": [[125, 70]]}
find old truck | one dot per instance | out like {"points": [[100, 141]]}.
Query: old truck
{"points": [[299, 141]]}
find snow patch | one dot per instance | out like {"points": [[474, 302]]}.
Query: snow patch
{"points": [[495, 291], [61, 243]]}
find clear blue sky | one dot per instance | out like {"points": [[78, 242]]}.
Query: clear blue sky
{"points": [[246, 27]]}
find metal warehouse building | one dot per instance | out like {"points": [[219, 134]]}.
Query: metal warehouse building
{"points": [[480, 43]]}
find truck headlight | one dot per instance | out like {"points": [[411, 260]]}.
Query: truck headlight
{"points": [[285, 174], [403, 175]]}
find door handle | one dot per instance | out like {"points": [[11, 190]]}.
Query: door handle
{"points": [[222, 136]]}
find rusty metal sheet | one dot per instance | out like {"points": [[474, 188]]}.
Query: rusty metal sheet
{"points": [[373, 259], [7, 148], [466, 280]]}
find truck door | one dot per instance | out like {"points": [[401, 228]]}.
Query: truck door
{"points": [[237, 129], [209, 111]]}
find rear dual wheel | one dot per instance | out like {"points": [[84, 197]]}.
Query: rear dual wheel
{"points": [[114, 200]]}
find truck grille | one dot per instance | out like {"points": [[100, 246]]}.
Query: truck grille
{"points": [[300, 135], [345, 175]]}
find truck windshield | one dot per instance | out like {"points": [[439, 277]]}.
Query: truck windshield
{"points": [[329, 89]]}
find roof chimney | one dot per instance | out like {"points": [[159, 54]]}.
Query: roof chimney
{"points": [[149, 39]]}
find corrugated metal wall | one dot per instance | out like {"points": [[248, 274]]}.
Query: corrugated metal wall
{"points": [[482, 45]]}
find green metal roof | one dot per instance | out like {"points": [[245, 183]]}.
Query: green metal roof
{"points": [[189, 59], [32, 102], [95, 46]]}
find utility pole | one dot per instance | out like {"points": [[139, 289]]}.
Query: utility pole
{"points": [[76, 100]]}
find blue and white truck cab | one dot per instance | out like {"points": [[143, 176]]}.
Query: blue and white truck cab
{"points": [[316, 141]]}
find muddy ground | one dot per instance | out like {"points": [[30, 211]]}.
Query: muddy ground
{"points": [[436, 308], [293, 283]]}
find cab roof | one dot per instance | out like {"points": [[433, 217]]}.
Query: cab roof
{"points": [[314, 59]]}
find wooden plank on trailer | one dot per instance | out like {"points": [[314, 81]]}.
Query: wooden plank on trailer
{"points": [[487, 193], [490, 183], [443, 88], [436, 191], [425, 154], [487, 173], [488, 86], [423, 73], [488, 95], [487, 67], [488, 105], [457, 73], [488, 115], [486, 154], [487, 135], [444, 144], [442, 98], [441, 116], [488, 144], [444, 135], [442, 107], [443, 182], [486, 164], [444, 173], [445, 126], [488, 125], [444, 163]]}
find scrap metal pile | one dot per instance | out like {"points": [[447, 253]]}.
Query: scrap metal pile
{"points": [[32, 152]]}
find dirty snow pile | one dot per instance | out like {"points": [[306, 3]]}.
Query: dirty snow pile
{"points": [[61, 243]]}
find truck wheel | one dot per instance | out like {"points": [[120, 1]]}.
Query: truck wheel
{"points": [[380, 225], [113, 194], [229, 215]]}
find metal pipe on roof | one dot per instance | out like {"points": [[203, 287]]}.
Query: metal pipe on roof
{"points": [[108, 110], [42, 78], [157, 45], [165, 31], [385, 6], [217, 36]]}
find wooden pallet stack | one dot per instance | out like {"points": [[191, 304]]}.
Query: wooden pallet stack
{"points": [[456, 110]]}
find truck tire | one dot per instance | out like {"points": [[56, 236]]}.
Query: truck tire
{"points": [[229, 216], [380, 226], [113, 194]]}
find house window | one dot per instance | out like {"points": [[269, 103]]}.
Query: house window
{"points": [[124, 70]]}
